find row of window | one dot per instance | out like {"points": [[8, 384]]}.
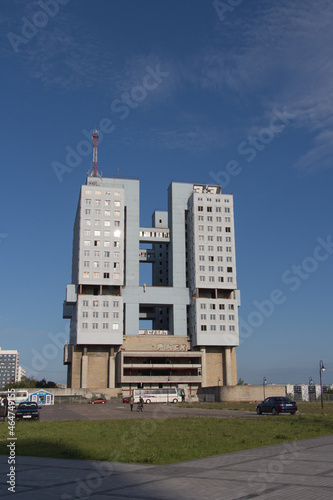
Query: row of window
{"points": [[212, 306], [96, 264], [86, 274], [217, 229], [212, 268], [104, 314], [104, 303], [105, 326], [210, 248], [212, 317], [201, 237], [210, 209], [107, 203], [97, 253], [211, 257], [213, 328], [107, 222], [209, 218], [211, 279], [106, 244]]}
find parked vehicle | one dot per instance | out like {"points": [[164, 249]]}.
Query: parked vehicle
{"points": [[97, 401], [126, 399], [27, 410], [167, 395], [276, 405]]}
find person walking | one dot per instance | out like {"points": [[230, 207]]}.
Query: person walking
{"points": [[131, 401]]}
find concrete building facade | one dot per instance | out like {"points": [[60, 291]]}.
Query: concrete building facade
{"points": [[191, 303], [10, 370]]}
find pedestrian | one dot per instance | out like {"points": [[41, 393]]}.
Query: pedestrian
{"points": [[131, 401], [141, 403]]}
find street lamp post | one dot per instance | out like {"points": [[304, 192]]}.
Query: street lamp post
{"points": [[321, 369], [264, 384], [310, 388]]}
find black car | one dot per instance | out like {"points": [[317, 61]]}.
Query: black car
{"points": [[276, 405], [27, 411]]}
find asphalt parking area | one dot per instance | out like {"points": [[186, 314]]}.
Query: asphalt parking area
{"points": [[122, 410]]}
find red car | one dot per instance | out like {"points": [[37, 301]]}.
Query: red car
{"points": [[97, 401], [126, 399]]}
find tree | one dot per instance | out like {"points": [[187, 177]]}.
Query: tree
{"points": [[240, 381]]}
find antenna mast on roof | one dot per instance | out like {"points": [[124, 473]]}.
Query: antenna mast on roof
{"points": [[95, 146]]}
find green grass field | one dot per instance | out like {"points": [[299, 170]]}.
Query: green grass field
{"points": [[162, 441]]}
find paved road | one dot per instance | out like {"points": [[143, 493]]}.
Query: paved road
{"points": [[301, 470], [122, 410]]}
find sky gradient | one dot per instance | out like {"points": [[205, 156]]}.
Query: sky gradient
{"points": [[237, 93]]}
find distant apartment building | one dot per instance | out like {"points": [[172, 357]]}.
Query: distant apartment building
{"points": [[9, 367], [190, 304]]}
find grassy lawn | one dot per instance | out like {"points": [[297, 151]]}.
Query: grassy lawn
{"points": [[159, 441]]}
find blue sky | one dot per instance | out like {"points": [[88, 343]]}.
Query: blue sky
{"points": [[234, 92]]}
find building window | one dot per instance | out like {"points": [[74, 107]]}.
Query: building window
{"points": [[106, 254], [227, 219], [107, 213], [228, 239], [231, 328], [116, 303], [200, 208], [227, 210], [115, 326], [202, 278], [106, 275], [212, 306], [105, 303], [202, 306], [84, 314], [86, 253], [84, 326], [97, 202], [116, 276], [116, 213], [219, 229], [96, 264], [209, 218], [86, 263], [87, 211], [88, 222], [231, 307], [211, 258], [88, 201], [85, 303], [218, 209], [218, 219], [202, 258], [210, 228], [203, 328], [231, 317], [87, 232], [210, 268], [213, 317], [201, 228], [106, 264], [95, 326], [95, 314], [116, 244], [117, 223], [213, 328], [105, 314], [202, 268], [201, 248], [229, 280], [86, 274], [209, 209], [200, 217], [116, 203], [222, 328], [95, 303], [220, 279], [96, 275], [105, 326], [116, 233], [107, 223], [203, 316], [228, 249], [222, 317], [229, 259]]}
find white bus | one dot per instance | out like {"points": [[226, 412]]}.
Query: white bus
{"points": [[20, 395], [167, 395]]}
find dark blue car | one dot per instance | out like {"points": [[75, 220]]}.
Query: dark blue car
{"points": [[276, 405]]}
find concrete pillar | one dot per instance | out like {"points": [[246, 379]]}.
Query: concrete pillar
{"points": [[84, 369], [112, 369], [228, 371], [203, 373]]}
